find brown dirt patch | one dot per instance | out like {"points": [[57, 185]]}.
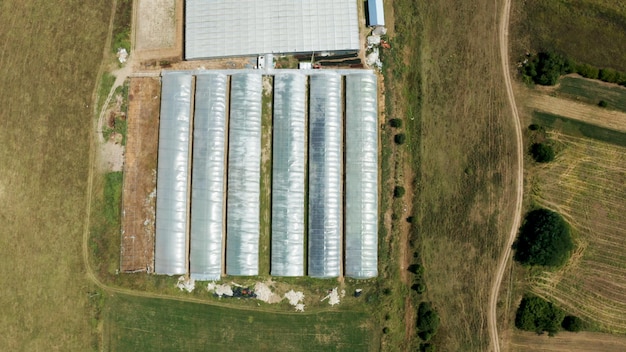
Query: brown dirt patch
{"points": [[615, 120], [158, 29], [564, 341], [137, 251]]}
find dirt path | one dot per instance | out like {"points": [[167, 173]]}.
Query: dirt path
{"points": [[492, 317]]}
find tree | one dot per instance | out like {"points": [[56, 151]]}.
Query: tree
{"points": [[542, 152], [546, 68], [603, 104], [544, 239], [398, 191], [399, 138], [572, 323], [427, 321], [395, 123], [536, 314]]}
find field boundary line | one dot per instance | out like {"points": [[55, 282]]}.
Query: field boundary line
{"points": [[492, 318]]}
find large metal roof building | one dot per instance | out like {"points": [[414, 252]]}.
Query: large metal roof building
{"points": [[221, 28]]}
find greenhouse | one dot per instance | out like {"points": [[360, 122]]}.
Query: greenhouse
{"points": [[207, 181], [325, 154], [361, 217], [170, 254], [288, 175], [244, 172]]}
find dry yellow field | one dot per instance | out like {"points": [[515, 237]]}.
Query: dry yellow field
{"points": [[587, 184], [523, 341]]}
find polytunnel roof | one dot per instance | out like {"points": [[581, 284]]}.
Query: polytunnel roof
{"points": [[219, 28]]}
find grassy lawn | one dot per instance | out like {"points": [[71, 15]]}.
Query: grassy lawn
{"points": [[266, 179], [135, 324], [50, 58], [447, 85], [579, 128], [588, 31], [592, 91]]}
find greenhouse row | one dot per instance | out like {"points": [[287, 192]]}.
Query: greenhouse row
{"points": [[208, 224]]}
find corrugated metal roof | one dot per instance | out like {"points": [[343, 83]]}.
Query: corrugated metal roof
{"points": [[221, 28], [376, 13]]}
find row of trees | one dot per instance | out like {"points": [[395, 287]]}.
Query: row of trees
{"points": [[545, 68], [536, 314]]}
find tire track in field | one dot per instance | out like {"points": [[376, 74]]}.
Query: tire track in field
{"points": [[492, 318]]}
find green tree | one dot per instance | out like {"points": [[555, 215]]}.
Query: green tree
{"points": [[398, 191], [542, 152], [546, 68], [544, 239], [536, 314], [427, 321], [399, 138], [572, 323], [603, 104], [395, 123]]}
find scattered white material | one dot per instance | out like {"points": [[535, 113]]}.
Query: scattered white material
{"points": [[186, 284], [372, 57], [305, 65], [380, 30], [220, 290], [295, 299], [333, 297], [122, 55], [373, 40], [343, 293], [264, 293]]}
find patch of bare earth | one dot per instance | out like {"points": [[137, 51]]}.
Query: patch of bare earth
{"points": [[158, 29], [615, 120], [523, 341], [137, 253]]}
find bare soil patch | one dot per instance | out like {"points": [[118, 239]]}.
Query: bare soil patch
{"points": [[615, 120], [137, 251], [566, 341], [158, 29]]}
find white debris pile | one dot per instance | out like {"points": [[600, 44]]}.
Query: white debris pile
{"points": [[263, 292], [122, 55], [186, 284], [299, 307], [333, 297], [296, 299], [220, 290]]}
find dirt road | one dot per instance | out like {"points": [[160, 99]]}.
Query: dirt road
{"points": [[495, 289]]}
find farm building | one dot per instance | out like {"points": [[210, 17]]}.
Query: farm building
{"points": [[222, 28], [376, 13], [208, 205]]}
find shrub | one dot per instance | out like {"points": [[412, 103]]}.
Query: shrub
{"points": [[544, 239], [428, 348], [572, 323], [609, 75], [603, 104], [385, 330], [395, 123], [399, 138], [533, 127], [542, 152], [398, 191], [427, 321], [536, 314], [546, 68], [587, 71], [418, 287]]}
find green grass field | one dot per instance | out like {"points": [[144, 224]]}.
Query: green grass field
{"points": [[141, 324], [591, 91], [51, 53], [579, 128], [588, 31]]}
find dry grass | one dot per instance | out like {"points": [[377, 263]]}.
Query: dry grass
{"points": [[447, 85], [50, 52], [587, 184], [523, 341]]}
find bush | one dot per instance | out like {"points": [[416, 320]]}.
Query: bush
{"points": [[572, 323], [542, 152], [609, 75], [395, 123], [535, 314], [603, 104], [419, 288], [427, 321], [399, 138], [587, 71], [385, 330], [428, 348], [398, 191], [546, 68], [533, 127], [544, 239]]}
